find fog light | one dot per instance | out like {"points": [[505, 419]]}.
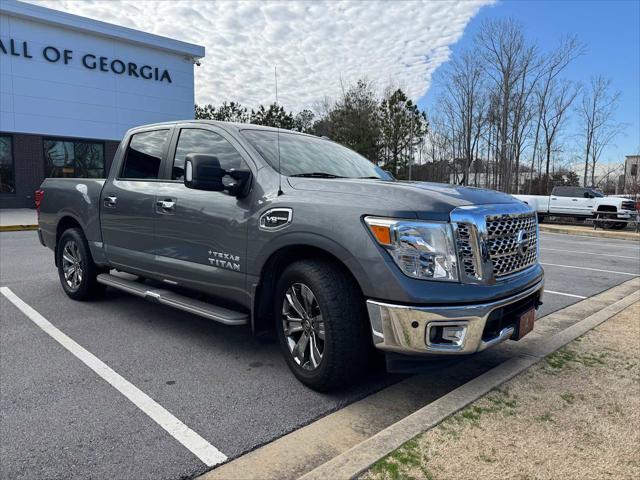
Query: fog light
{"points": [[446, 335], [454, 335]]}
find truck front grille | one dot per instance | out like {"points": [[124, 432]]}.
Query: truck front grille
{"points": [[465, 250], [512, 242]]}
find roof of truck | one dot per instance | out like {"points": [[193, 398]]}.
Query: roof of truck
{"points": [[227, 125]]}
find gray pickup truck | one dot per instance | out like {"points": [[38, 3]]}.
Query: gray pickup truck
{"points": [[300, 238]]}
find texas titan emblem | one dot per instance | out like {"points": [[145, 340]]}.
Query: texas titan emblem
{"points": [[224, 260]]}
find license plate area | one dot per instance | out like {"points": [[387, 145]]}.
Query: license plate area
{"points": [[524, 324]]}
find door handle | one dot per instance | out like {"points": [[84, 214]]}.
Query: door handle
{"points": [[574, 199], [553, 198], [166, 204], [110, 201]]}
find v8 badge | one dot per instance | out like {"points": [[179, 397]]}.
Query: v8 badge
{"points": [[276, 219]]}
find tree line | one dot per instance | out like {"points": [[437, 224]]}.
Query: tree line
{"points": [[500, 121]]}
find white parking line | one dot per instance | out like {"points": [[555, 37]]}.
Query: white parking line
{"points": [[637, 257], [594, 241], [202, 449], [565, 294], [591, 269]]}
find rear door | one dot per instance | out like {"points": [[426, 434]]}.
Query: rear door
{"points": [[201, 236], [584, 202], [561, 201], [127, 203]]}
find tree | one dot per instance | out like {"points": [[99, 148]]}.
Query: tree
{"points": [[507, 59], [227, 112], [304, 121], [274, 116], [402, 126], [568, 50], [596, 113], [354, 121], [562, 94], [465, 102]]}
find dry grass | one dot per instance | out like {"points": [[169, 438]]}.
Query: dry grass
{"points": [[574, 415]]}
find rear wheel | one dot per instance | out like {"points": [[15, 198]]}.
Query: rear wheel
{"points": [[321, 324], [76, 269]]}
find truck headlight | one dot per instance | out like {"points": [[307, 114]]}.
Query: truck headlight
{"points": [[424, 250]]}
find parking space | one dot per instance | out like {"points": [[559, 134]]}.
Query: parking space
{"points": [[60, 418]]}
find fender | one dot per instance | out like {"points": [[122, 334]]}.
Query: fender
{"points": [[307, 239]]}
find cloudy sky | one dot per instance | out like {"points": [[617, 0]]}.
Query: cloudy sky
{"points": [[314, 44]]}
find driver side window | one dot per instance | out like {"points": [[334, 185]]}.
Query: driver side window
{"points": [[196, 140]]}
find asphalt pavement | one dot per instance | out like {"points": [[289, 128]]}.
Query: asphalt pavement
{"points": [[59, 419]]}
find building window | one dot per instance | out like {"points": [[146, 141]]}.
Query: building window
{"points": [[73, 159], [7, 170], [634, 170]]}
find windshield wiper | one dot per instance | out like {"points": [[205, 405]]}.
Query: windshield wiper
{"points": [[316, 175]]}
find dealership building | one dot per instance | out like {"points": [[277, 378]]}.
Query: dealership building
{"points": [[70, 87]]}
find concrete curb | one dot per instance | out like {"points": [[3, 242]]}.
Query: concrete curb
{"points": [[17, 228], [589, 232], [356, 460]]}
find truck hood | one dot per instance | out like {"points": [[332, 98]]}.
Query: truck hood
{"points": [[430, 201]]}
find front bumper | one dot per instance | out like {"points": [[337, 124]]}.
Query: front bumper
{"points": [[406, 329]]}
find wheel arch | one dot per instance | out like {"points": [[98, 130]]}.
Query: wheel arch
{"points": [[65, 223], [262, 319]]}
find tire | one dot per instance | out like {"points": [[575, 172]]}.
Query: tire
{"points": [[78, 279], [336, 311]]}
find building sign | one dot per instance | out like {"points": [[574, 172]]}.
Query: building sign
{"points": [[90, 61]]}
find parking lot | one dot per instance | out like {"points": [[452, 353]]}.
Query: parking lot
{"points": [[60, 419]]}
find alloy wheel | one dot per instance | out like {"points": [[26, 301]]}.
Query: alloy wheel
{"points": [[303, 326], [72, 264]]}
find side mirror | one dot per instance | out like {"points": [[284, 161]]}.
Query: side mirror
{"points": [[203, 172], [587, 195]]}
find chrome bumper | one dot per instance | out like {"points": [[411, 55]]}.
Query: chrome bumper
{"points": [[405, 329]]}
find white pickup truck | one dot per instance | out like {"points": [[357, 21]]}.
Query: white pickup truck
{"points": [[581, 203]]}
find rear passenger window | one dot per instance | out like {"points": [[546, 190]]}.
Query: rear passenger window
{"points": [[195, 140], [144, 154]]}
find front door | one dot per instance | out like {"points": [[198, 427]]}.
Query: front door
{"points": [[201, 236], [128, 201]]}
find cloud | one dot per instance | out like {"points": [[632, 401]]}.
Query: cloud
{"points": [[316, 45]]}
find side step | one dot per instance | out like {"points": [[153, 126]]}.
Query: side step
{"points": [[175, 300]]}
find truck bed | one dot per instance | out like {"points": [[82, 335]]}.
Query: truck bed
{"points": [[75, 198]]}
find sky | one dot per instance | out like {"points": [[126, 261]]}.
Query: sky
{"points": [[611, 32], [318, 46]]}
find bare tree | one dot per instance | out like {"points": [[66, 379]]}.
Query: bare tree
{"points": [[596, 112], [568, 50], [561, 95], [507, 60], [464, 85]]}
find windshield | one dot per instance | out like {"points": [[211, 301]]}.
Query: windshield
{"points": [[306, 156]]}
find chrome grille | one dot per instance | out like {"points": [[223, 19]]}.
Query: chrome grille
{"points": [[465, 250], [502, 242]]}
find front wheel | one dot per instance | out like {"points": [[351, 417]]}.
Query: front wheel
{"points": [[321, 324], [76, 269]]}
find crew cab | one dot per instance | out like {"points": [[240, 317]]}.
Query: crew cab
{"points": [[298, 237], [581, 203]]}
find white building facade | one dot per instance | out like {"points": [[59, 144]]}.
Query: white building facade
{"points": [[71, 86]]}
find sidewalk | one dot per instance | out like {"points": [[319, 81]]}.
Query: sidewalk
{"points": [[589, 231], [14, 219], [574, 415]]}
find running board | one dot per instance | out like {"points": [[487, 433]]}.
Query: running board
{"points": [[175, 300]]}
